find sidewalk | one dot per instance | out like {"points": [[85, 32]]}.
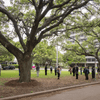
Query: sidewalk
{"points": [[86, 93]]}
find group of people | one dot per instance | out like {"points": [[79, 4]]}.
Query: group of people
{"points": [[37, 68], [75, 70], [57, 70]]}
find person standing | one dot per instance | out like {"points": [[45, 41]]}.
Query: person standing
{"points": [[0, 69], [58, 71], [98, 70], [51, 68], [81, 70], [93, 72], [86, 71], [76, 69], [73, 70], [45, 69], [33, 67], [55, 70], [37, 69]]}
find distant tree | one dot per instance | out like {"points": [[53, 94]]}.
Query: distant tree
{"points": [[72, 58], [44, 53]]}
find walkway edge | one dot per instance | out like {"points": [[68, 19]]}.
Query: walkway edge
{"points": [[47, 91]]}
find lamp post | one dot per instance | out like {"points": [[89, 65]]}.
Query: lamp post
{"points": [[95, 68], [57, 56]]}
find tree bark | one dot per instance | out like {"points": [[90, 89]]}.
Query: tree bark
{"points": [[98, 63], [25, 70]]}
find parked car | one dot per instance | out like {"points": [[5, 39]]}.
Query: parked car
{"points": [[8, 67]]}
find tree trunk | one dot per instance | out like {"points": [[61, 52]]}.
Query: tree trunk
{"points": [[25, 70], [98, 63]]}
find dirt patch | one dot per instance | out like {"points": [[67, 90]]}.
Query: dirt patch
{"points": [[11, 86], [16, 83]]}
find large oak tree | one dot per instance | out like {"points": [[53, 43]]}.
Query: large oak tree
{"points": [[34, 20]]}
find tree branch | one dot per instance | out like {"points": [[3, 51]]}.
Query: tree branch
{"points": [[62, 17], [15, 51], [15, 26], [35, 5], [97, 50], [25, 27], [61, 5]]}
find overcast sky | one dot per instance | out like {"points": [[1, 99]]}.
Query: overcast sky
{"points": [[7, 2]]}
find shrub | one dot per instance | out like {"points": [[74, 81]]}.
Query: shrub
{"points": [[3, 65], [16, 65]]}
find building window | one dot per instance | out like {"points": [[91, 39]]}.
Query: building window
{"points": [[89, 60], [93, 59]]}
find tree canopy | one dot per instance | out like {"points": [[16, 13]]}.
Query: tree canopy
{"points": [[87, 40], [71, 57], [33, 20]]}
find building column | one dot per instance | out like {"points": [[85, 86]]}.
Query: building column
{"points": [[95, 69], [95, 65]]}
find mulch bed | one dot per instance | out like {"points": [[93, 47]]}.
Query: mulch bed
{"points": [[11, 86], [15, 83]]}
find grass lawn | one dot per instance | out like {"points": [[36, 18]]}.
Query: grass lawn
{"points": [[49, 75], [15, 74]]}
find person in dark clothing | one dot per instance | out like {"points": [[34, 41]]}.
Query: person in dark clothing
{"points": [[46, 69], [37, 69], [51, 68], [55, 70], [93, 72], [58, 69], [19, 70], [86, 71], [74, 71]]}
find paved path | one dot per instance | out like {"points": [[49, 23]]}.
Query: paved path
{"points": [[86, 93]]}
